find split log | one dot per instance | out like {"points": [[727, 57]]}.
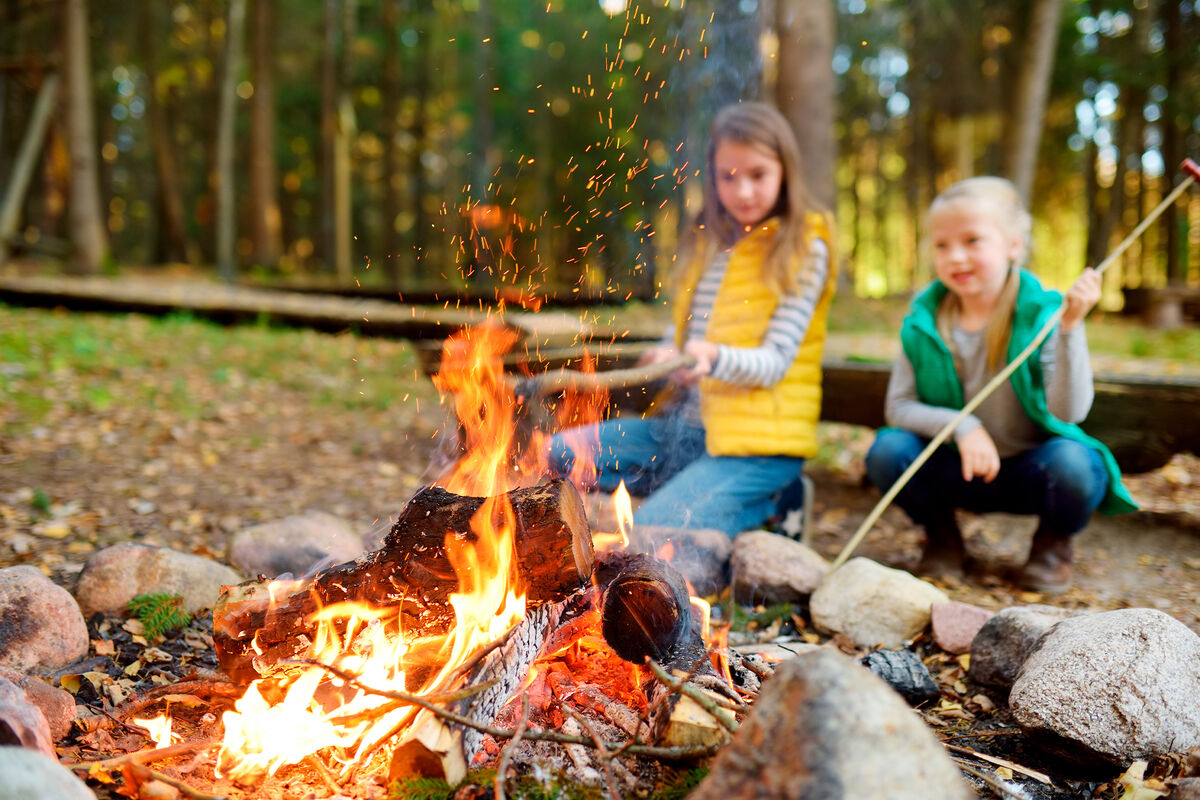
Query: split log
{"points": [[254, 630], [437, 748]]}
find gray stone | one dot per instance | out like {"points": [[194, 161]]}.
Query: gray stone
{"points": [[299, 545], [1115, 687], [116, 575], [41, 627], [57, 705], [955, 624], [873, 604], [21, 722], [824, 727], [30, 775], [1003, 642], [768, 568]]}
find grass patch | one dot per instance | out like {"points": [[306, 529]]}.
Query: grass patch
{"points": [[55, 362]]}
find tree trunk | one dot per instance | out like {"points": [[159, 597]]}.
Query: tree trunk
{"points": [[424, 21], [265, 218], [172, 242], [23, 166], [344, 131], [390, 18], [1029, 99], [1175, 119], [805, 91], [87, 235], [223, 174], [329, 94]]}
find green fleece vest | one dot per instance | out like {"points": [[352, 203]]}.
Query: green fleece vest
{"points": [[938, 384]]}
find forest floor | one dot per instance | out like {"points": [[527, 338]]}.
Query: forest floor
{"points": [[177, 432]]}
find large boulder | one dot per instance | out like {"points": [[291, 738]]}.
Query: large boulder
{"points": [[297, 545], [768, 568], [823, 726], [1112, 687], [30, 775], [1006, 639]]}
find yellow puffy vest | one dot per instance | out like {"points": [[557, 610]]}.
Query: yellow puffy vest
{"points": [[760, 421]]}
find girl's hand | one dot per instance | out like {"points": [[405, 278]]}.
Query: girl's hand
{"points": [[706, 355], [655, 355], [979, 456], [1081, 298]]}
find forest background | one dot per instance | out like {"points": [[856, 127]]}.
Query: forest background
{"points": [[556, 145]]}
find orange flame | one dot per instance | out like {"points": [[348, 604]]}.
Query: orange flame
{"points": [[159, 728], [315, 713]]}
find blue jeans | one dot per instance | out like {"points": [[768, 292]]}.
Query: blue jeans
{"points": [[664, 459], [1061, 481]]}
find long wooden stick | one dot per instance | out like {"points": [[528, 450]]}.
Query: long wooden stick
{"points": [[1193, 171], [560, 380]]}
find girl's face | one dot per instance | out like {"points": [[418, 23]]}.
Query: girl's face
{"points": [[748, 179], [972, 251]]}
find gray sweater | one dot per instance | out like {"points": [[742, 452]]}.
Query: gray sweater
{"points": [[1066, 367]]}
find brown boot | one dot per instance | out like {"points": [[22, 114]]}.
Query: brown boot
{"points": [[944, 552], [1050, 563]]}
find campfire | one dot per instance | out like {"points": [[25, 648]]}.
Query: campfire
{"points": [[493, 628]]}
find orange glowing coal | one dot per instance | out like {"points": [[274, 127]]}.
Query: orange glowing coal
{"points": [[286, 720]]}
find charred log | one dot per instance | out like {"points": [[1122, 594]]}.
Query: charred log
{"points": [[646, 611], [255, 627]]}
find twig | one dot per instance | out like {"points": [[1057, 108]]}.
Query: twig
{"points": [[1000, 762], [506, 753], [994, 383], [324, 772], [152, 754], [761, 672], [603, 752], [696, 694], [144, 774], [999, 787], [137, 759], [532, 735], [981, 735]]}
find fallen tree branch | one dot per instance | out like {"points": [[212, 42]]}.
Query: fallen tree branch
{"points": [[138, 758]]}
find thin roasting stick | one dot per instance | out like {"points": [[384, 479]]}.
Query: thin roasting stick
{"points": [[1193, 171]]}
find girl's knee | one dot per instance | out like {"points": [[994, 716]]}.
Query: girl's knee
{"points": [[1075, 468], [890, 454]]}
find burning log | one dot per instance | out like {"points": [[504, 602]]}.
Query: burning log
{"points": [[646, 611], [255, 627], [647, 614]]}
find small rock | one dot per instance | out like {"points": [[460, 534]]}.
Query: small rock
{"points": [[300, 545], [1002, 643], [30, 775], [21, 722], [116, 575], [768, 568], [1112, 687], [41, 627], [903, 671], [872, 604], [955, 624], [57, 705]]}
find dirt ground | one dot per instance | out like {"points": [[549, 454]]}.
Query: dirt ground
{"points": [[124, 477]]}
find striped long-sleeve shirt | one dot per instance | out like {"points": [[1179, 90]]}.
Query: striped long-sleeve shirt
{"points": [[766, 364]]}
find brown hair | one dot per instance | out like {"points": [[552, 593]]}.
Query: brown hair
{"points": [[1007, 211], [762, 126]]}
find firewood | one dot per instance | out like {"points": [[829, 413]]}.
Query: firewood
{"points": [[411, 573], [646, 610], [438, 748]]}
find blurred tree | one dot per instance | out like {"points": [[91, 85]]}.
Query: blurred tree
{"points": [[804, 91], [265, 226], [1024, 127], [87, 234], [223, 172]]}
